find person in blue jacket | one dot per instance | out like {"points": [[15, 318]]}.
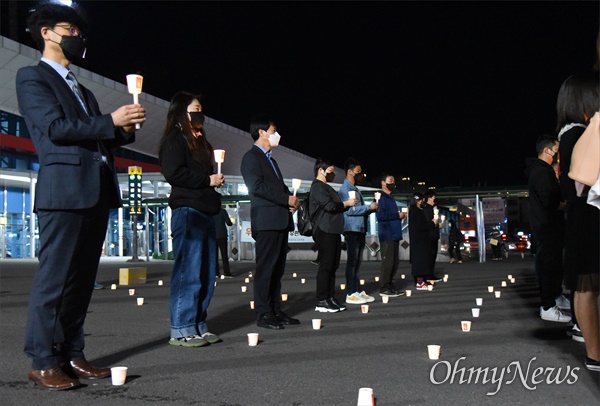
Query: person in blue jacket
{"points": [[390, 234]]}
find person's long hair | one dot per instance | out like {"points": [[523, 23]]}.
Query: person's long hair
{"points": [[578, 99], [177, 120]]}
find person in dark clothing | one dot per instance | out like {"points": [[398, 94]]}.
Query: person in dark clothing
{"points": [[546, 219], [434, 232], [455, 238], [578, 100], [389, 220], [327, 213], [419, 233], [222, 220], [495, 238]]}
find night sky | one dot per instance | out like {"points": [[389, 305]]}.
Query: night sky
{"points": [[450, 93]]}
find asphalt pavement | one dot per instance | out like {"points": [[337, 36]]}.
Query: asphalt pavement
{"points": [[511, 356]]}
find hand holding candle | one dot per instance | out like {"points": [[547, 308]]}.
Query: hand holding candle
{"points": [[134, 86], [296, 184], [377, 196], [219, 159]]}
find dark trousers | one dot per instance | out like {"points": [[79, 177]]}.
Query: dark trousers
{"points": [[390, 259], [70, 249], [496, 250], [355, 245], [271, 251], [222, 248], [548, 269], [330, 250], [434, 252], [454, 251]]}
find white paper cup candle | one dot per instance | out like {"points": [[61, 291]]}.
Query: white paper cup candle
{"points": [[402, 276], [466, 325], [385, 299], [408, 292], [342, 286], [377, 279], [118, 375], [134, 86], [252, 304], [252, 339], [490, 289], [365, 397], [247, 280], [160, 283], [404, 210], [497, 294], [364, 308], [430, 288], [479, 301], [295, 275], [219, 158], [113, 286], [377, 196], [475, 311], [352, 194], [509, 276], [296, 184], [284, 297], [140, 301], [433, 351], [244, 288], [512, 280], [303, 281], [131, 292], [503, 284], [316, 323], [446, 278], [362, 281]]}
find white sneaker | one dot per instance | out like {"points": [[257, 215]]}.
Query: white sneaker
{"points": [[563, 303], [355, 298], [554, 314], [368, 298]]}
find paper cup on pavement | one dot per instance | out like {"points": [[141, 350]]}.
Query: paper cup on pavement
{"points": [[303, 281], [131, 292], [408, 292], [252, 304], [475, 311], [316, 323], [364, 308], [244, 288], [113, 286], [160, 283], [140, 301], [479, 301], [252, 339], [247, 280], [294, 274], [342, 286], [385, 299], [402, 276], [118, 375], [430, 287], [465, 325], [284, 297], [490, 289], [509, 277], [503, 284], [512, 280], [497, 294], [365, 397], [377, 279], [433, 351], [362, 281]]}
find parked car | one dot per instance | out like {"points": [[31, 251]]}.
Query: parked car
{"points": [[508, 244]]}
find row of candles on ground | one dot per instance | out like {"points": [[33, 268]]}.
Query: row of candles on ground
{"points": [[434, 350]]}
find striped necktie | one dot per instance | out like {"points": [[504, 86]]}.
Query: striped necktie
{"points": [[74, 85]]}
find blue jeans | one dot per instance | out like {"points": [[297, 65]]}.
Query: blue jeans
{"points": [[193, 277], [355, 244]]}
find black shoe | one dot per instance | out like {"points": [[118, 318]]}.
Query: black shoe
{"points": [[435, 278], [390, 293], [326, 306], [338, 304], [285, 319], [591, 364], [268, 320]]}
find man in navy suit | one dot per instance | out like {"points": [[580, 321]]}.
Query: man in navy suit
{"points": [[272, 206], [76, 188]]}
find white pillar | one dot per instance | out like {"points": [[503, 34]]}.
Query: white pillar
{"points": [[120, 231]]}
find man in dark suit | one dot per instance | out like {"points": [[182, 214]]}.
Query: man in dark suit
{"points": [[272, 206], [76, 188]]}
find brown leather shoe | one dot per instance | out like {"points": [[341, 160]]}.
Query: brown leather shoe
{"points": [[53, 379], [83, 369]]}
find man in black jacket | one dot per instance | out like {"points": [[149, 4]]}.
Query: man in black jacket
{"points": [[547, 225]]}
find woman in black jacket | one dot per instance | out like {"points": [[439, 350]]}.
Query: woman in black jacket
{"points": [[327, 216], [185, 158]]}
